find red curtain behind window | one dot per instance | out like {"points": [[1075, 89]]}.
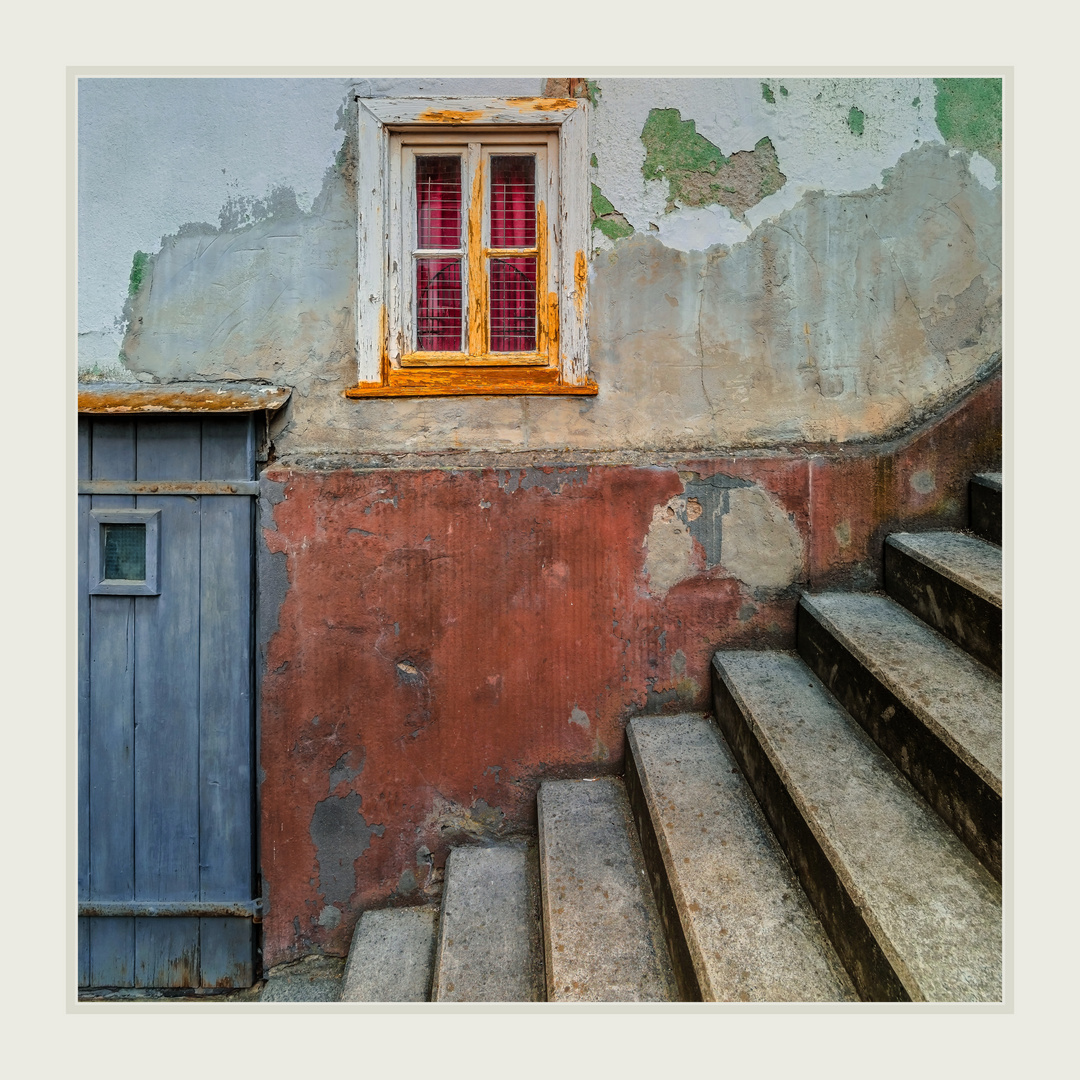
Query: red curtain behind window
{"points": [[438, 280], [512, 281]]}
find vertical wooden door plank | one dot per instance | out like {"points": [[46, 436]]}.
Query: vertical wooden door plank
{"points": [[225, 830], [83, 605], [228, 447], [167, 715], [109, 809], [112, 449]]}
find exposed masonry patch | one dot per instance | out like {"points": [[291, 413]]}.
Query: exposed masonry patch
{"points": [[452, 821], [579, 717], [708, 501], [739, 526], [762, 547], [606, 218], [239, 211], [341, 836], [697, 171], [668, 547], [554, 480], [340, 770], [330, 917]]}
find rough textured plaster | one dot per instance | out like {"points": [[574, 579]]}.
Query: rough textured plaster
{"points": [[808, 127], [669, 547], [847, 316], [842, 316], [155, 154], [762, 547]]}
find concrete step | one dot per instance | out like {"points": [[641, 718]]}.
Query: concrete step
{"points": [[911, 912], [311, 978], [602, 935], [933, 709], [952, 581], [738, 923], [984, 499], [391, 956], [489, 927]]}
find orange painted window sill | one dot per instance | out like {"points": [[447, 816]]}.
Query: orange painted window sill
{"points": [[435, 382]]}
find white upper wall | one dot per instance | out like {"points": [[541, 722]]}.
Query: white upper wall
{"points": [[156, 154]]}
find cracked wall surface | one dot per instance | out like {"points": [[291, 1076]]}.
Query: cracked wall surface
{"points": [[780, 269], [762, 271]]}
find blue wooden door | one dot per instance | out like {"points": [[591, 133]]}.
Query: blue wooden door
{"points": [[166, 846]]}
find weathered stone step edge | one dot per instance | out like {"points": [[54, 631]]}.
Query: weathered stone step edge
{"points": [[392, 955], [975, 739], [870, 954], [769, 949], [489, 945], [638, 923], [835, 634], [961, 613], [968, 561]]}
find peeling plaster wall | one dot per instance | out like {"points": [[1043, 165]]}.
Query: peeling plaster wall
{"points": [[862, 295], [453, 636], [437, 633]]}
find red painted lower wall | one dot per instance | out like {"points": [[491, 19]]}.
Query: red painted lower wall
{"points": [[449, 638]]}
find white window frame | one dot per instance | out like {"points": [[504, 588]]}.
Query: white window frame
{"points": [[386, 364]]}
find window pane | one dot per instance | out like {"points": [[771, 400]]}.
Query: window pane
{"points": [[513, 201], [438, 305], [125, 553], [438, 202], [513, 305]]}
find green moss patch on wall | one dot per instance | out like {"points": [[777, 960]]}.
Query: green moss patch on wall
{"points": [[606, 218], [968, 114], [767, 94], [855, 120], [697, 171], [139, 264]]}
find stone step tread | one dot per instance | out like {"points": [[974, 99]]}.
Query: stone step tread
{"points": [[750, 930], [489, 927], [934, 910], [969, 561], [603, 939], [954, 695], [391, 956], [988, 479]]}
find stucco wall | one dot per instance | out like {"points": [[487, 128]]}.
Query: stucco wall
{"points": [[862, 292], [436, 641]]}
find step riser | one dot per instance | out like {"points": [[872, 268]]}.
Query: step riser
{"points": [[489, 927], [985, 511], [971, 808], [855, 944], [674, 936], [603, 940], [964, 618]]}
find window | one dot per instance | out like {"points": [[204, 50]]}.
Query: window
{"points": [[473, 226], [124, 552]]}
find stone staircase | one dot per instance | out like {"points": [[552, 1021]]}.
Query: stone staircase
{"points": [[834, 834]]}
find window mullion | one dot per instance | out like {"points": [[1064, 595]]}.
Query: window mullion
{"points": [[476, 278]]}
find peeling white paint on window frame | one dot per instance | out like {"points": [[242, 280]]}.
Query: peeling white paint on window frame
{"points": [[377, 120]]}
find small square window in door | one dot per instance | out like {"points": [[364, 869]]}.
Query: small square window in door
{"points": [[125, 548]]}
